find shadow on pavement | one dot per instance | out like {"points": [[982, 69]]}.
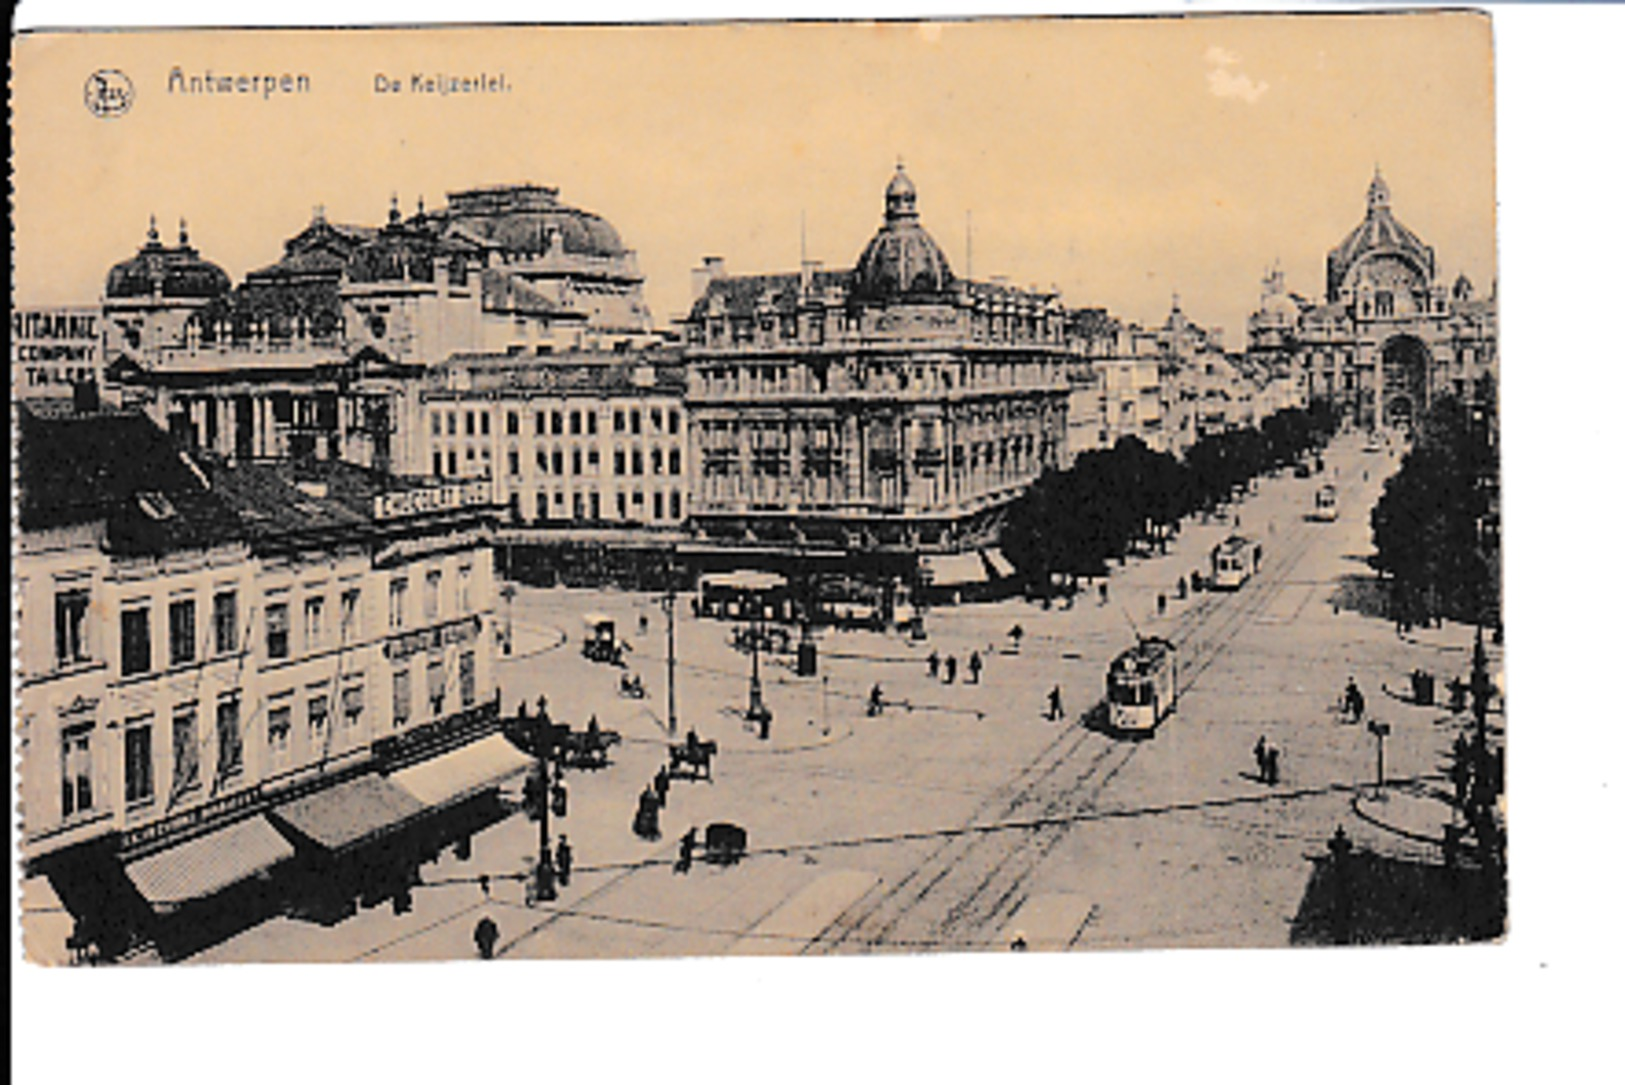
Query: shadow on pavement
{"points": [[1386, 901]]}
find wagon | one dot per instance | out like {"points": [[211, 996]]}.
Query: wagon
{"points": [[586, 749], [724, 843]]}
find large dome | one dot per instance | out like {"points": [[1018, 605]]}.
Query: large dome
{"points": [[519, 220], [901, 260], [1380, 234], [177, 272]]}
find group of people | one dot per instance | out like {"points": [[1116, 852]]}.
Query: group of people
{"points": [[947, 668]]}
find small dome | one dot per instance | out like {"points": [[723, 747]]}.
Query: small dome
{"points": [[901, 260], [173, 272]]}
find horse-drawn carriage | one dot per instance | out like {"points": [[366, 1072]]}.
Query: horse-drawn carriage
{"points": [[724, 843], [587, 749], [599, 642], [692, 758]]}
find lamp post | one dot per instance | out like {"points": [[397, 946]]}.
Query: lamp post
{"points": [[507, 633], [757, 712], [1382, 731], [668, 603]]}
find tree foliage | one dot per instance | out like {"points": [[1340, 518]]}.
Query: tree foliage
{"points": [[1073, 522], [1433, 525]]}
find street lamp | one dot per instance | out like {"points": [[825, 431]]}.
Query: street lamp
{"points": [[668, 603], [507, 635], [757, 712], [1382, 731]]}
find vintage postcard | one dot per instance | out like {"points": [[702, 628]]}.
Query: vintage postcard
{"points": [[757, 489]]}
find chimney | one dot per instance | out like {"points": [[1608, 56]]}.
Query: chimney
{"points": [[708, 272]]}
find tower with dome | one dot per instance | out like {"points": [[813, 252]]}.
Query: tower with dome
{"points": [[1389, 337]]}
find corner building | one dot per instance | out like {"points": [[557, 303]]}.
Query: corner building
{"points": [[868, 415]]}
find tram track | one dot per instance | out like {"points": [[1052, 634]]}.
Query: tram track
{"points": [[1204, 632]]}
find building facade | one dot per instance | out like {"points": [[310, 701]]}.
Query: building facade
{"points": [[1389, 337], [215, 656], [311, 357], [877, 412]]}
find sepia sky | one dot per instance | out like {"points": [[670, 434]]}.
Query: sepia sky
{"points": [[1119, 160]]}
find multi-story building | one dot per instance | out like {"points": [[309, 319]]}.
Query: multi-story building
{"points": [[577, 439], [234, 673], [869, 415], [1389, 337], [309, 357]]}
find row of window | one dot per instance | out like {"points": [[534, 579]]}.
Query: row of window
{"points": [[135, 631], [78, 767], [590, 505], [622, 420], [443, 463]]}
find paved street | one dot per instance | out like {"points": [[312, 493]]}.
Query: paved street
{"points": [[962, 818]]}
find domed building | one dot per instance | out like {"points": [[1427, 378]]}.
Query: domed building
{"points": [[148, 299], [865, 417], [1390, 337]]}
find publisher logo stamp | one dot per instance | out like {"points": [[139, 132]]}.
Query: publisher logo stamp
{"points": [[109, 93]]}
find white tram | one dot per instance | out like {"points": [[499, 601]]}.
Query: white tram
{"points": [[1325, 509], [1142, 685], [1233, 562]]}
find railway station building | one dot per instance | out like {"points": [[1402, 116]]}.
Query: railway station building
{"points": [[1389, 336]]}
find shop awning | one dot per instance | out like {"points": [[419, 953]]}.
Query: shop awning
{"points": [[1002, 569], [953, 570], [209, 863], [443, 780], [350, 813]]}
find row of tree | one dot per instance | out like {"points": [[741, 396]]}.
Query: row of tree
{"points": [[1072, 522], [1436, 526]]}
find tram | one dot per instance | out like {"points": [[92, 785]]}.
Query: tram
{"points": [[1325, 509], [1233, 562], [1142, 686]]}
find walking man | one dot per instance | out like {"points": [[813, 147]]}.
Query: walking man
{"points": [[685, 852], [563, 857], [1055, 712], [662, 784], [975, 667], [1272, 766], [1260, 750], [1162, 604], [952, 668], [933, 663], [876, 702]]}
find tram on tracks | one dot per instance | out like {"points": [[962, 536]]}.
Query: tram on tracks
{"points": [[1325, 509], [1142, 686], [1234, 562]]}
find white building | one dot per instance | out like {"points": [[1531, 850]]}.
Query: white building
{"points": [[224, 672]]}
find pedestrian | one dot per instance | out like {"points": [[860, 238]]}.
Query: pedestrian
{"points": [[1260, 748], [662, 784], [1104, 593], [485, 937], [1272, 766], [685, 852], [563, 858], [1162, 604], [1181, 589], [1353, 701], [951, 668], [1055, 712], [485, 885], [975, 667], [1258, 556], [877, 702], [933, 663], [643, 624]]}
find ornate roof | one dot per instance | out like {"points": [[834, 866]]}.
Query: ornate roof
{"points": [[172, 272], [407, 251], [901, 260], [524, 220], [1380, 234]]}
